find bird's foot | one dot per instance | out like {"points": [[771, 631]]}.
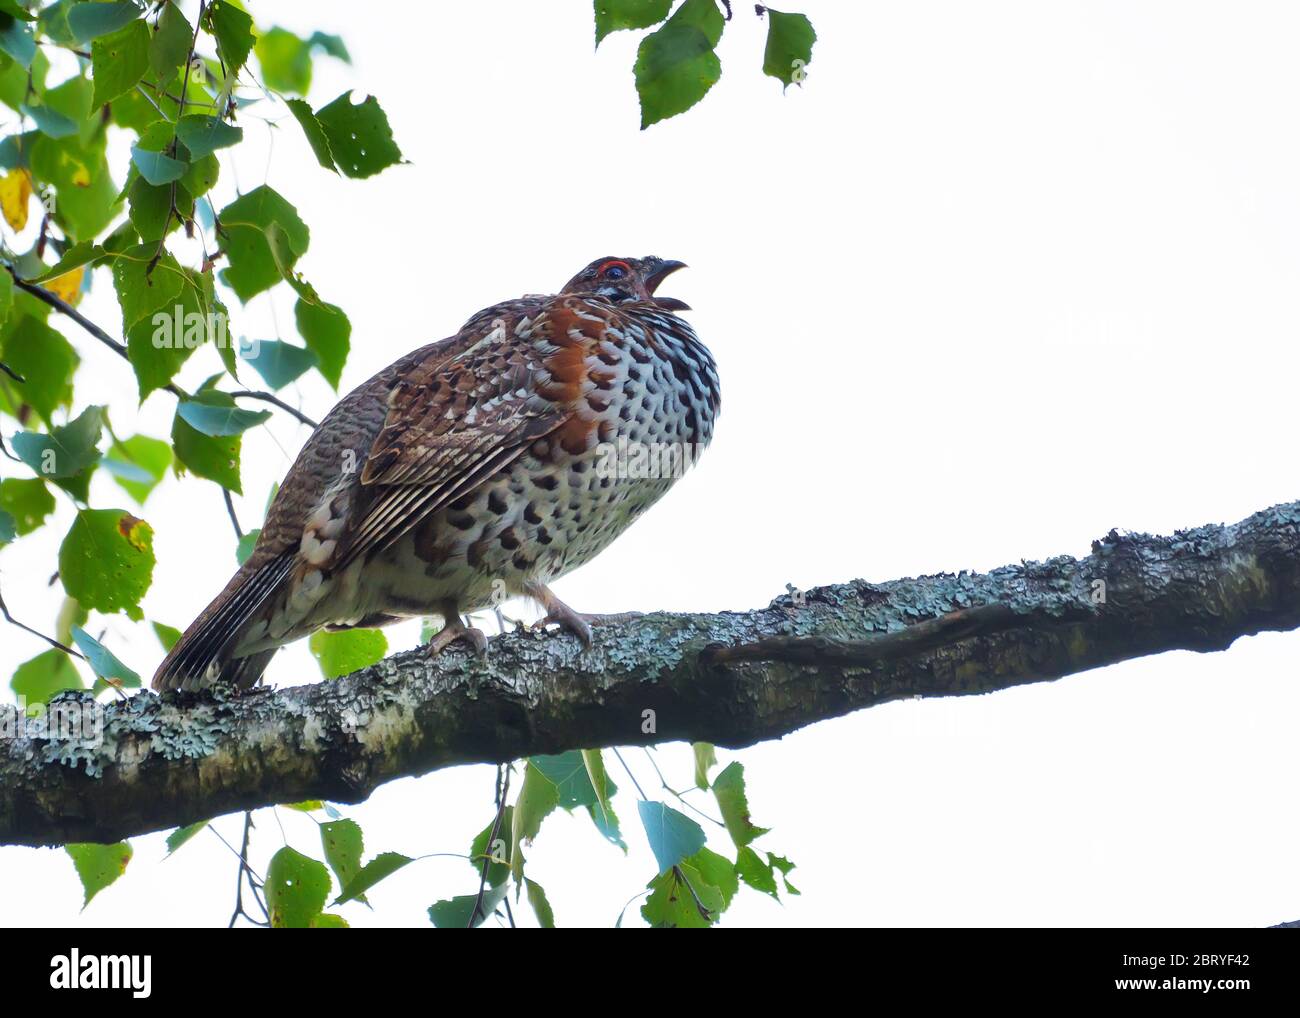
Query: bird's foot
{"points": [[454, 630], [579, 623]]}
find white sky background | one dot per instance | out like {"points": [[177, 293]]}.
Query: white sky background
{"points": [[1002, 276]]}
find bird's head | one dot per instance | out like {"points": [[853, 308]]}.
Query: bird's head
{"points": [[627, 279]]}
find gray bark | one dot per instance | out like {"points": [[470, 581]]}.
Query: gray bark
{"points": [[728, 678]]}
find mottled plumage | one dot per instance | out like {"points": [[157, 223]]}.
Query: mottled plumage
{"points": [[472, 468]]}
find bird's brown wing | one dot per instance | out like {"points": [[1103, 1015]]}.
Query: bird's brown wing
{"points": [[452, 424]]}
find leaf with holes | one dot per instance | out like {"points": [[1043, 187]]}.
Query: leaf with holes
{"points": [[106, 561], [360, 139], [119, 60], [98, 865], [296, 889]]}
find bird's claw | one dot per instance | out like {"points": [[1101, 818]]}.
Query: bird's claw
{"points": [[453, 631], [580, 623]]}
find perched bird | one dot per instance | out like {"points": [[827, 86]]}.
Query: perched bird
{"points": [[484, 465]]}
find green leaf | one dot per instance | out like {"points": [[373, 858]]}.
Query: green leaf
{"points": [[8, 528], [326, 331], [168, 636], [70, 614], [247, 544], [347, 651], [74, 99], [85, 195], [330, 44], [166, 314], [45, 360], [343, 844], [171, 42], [671, 904], [285, 60], [296, 889], [788, 53], [280, 363], [50, 121], [383, 865], [27, 501], [755, 872], [676, 65], [217, 459], [99, 865], [84, 253], [454, 913], [329, 921], [306, 806], [616, 15], [66, 451], [360, 139], [202, 176], [729, 790], [606, 822], [119, 61], [156, 167], [204, 135], [14, 76], [138, 464], [181, 835], [537, 800], [541, 906], [91, 20], [16, 39], [106, 561], [499, 849], [252, 265], [784, 865], [6, 295], [211, 415], [602, 810], [568, 773], [672, 835], [233, 30], [716, 871], [44, 675], [103, 662], [316, 138], [705, 760]]}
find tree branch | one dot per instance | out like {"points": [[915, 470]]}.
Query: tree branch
{"points": [[728, 678]]}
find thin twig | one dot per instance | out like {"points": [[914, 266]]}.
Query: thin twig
{"points": [[4, 608], [502, 791], [705, 914], [274, 400], [245, 872], [615, 751], [230, 508], [12, 373]]}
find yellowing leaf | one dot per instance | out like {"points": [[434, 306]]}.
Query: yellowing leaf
{"points": [[67, 287], [15, 193]]}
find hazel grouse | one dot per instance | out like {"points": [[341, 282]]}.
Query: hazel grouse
{"points": [[468, 468]]}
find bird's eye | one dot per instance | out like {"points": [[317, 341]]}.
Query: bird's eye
{"points": [[616, 271]]}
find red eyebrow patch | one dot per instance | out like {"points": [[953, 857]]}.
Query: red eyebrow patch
{"points": [[621, 264]]}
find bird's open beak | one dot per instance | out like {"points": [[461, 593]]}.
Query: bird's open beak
{"points": [[652, 281]]}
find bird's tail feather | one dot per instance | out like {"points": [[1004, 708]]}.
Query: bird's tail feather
{"points": [[203, 656]]}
